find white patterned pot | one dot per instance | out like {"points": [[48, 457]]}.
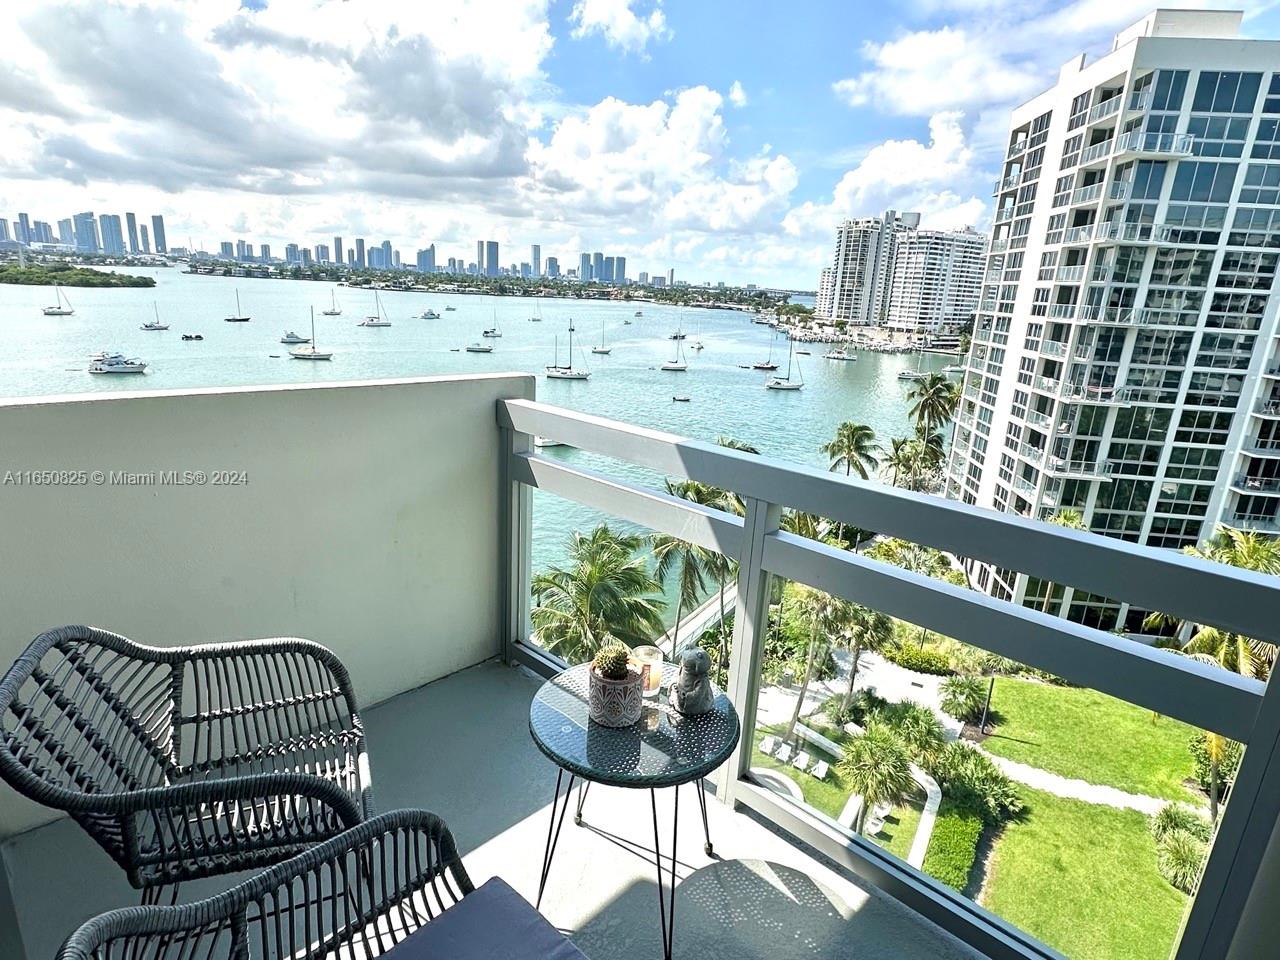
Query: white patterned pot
{"points": [[615, 703]]}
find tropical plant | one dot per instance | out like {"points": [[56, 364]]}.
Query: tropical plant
{"points": [[807, 525], [854, 450], [821, 615], [689, 562], [918, 659], [934, 399], [1179, 857], [973, 781], [864, 629], [963, 697], [953, 845], [1071, 519], [877, 767], [865, 702], [611, 662], [907, 464], [1215, 760], [916, 726], [604, 593], [1178, 816], [718, 566]]}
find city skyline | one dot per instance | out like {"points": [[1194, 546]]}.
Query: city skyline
{"points": [[577, 126]]}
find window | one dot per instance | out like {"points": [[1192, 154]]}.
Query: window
{"points": [[1171, 85], [1271, 104], [1261, 184], [1204, 182], [1266, 144], [1218, 136], [1226, 92]]}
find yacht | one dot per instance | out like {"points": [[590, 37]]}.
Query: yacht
{"points": [[602, 350], [428, 315], [479, 348], [677, 365], [378, 318], [840, 354], [62, 308], [786, 383], [678, 335], [494, 331], [239, 316], [450, 309], [291, 337], [697, 345], [116, 363], [953, 368], [309, 353], [558, 371], [638, 313], [910, 375], [334, 310]]}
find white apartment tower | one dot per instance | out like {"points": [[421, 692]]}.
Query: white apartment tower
{"points": [[1124, 361], [862, 266], [826, 292], [936, 280]]}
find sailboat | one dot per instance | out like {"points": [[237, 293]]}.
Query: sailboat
{"points": [[378, 318], [769, 363], [538, 317], [493, 331], [678, 365], [839, 353], [310, 352], [237, 317], [62, 308], [558, 371], [334, 310], [155, 324], [602, 350], [786, 383]]}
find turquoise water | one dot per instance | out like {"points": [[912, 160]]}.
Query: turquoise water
{"points": [[48, 355]]}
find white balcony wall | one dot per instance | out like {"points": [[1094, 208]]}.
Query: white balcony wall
{"points": [[369, 523]]}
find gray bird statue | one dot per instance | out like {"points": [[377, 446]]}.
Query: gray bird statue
{"points": [[691, 693]]}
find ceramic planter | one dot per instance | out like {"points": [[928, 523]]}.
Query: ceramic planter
{"points": [[616, 703]]}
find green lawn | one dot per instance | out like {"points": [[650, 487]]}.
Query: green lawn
{"points": [[1082, 878], [1087, 735]]}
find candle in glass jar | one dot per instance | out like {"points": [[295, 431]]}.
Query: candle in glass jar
{"points": [[649, 661]]}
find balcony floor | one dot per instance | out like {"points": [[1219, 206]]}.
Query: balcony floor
{"points": [[460, 747]]}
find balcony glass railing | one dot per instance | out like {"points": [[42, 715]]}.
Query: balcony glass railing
{"points": [[1096, 152], [1003, 214], [1031, 452], [1105, 108], [1038, 419], [1257, 484], [1054, 348], [1267, 408], [1139, 100], [1079, 468], [1070, 274], [998, 246], [1063, 311], [1047, 384], [1008, 183], [1017, 147], [1120, 190], [1162, 144], [1087, 194], [1080, 234], [1268, 523]]}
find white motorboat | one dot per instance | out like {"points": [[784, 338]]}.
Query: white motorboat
{"points": [[638, 313], [291, 337], [309, 353], [839, 355], [697, 345], [953, 368], [479, 348], [787, 383], [62, 308], [334, 310], [601, 349], [910, 375], [558, 371], [239, 316], [678, 335], [428, 315], [116, 363], [495, 331], [679, 364], [450, 309]]}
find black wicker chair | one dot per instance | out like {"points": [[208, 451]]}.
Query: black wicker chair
{"points": [[186, 762], [371, 891]]}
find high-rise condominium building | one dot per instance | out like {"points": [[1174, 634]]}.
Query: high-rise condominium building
{"points": [[291, 253], [936, 279], [85, 226], [337, 250], [553, 266], [826, 292], [584, 266], [619, 269], [131, 223], [1124, 360], [66, 232], [144, 238], [157, 233], [227, 250], [360, 261], [479, 256], [112, 233], [863, 266], [4, 230], [535, 258], [427, 260], [322, 253], [388, 260], [264, 252], [606, 273], [671, 277], [42, 233], [491, 268], [597, 266]]}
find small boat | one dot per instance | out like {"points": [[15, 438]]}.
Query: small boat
{"points": [[192, 336], [953, 368], [769, 363], [626, 323], [62, 308], [602, 350], [116, 363], [910, 375], [786, 383], [679, 399], [428, 315], [802, 353], [678, 335], [238, 316], [291, 337], [839, 355], [311, 353], [537, 317], [479, 348], [450, 309], [152, 325], [378, 318], [638, 313], [494, 331], [334, 310], [541, 442], [679, 364], [558, 371]]}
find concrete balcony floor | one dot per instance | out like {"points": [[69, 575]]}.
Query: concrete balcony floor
{"points": [[461, 748]]}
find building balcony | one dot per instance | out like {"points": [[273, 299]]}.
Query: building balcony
{"points": [[1136, 142], [1008, 183], [1054, 348], [1096, 152], [1263, 523], [1024, 487], [1037, 419], [1105, 108], [1083, 469], [1120, 190], [998, 246], [1004, 213], [1086, 194], [1267, 408], [1063, 311], [1047, 384], [1247, 484], [1272, 372], [1140, 100], [1117, 232], [1070, 274], [1016, 148], [1031, 453], [394, 522], [1262, 449], [1080, 393]]}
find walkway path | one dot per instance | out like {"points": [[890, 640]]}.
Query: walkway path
{"points": [[1071, 789]]}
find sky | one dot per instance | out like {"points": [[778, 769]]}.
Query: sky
{"points": [[723, 138]]}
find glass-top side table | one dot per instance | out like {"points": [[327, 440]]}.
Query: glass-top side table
{"points": [[664, 748]]}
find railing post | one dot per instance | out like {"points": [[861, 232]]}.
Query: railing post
{"points": [[750, 625], [515, 543]]}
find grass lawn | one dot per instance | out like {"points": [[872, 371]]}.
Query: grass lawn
{"points": [[1082, 878], [1090, 736]]}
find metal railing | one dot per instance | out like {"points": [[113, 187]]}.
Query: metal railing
{"points": [[998, 246], [1017, 147], [1063, 311], [1267, 408], [1139, 100], [1096, 152], [1038, 419], [1079, 468], [1070, 274], [1031, 452], [1120, 190], [1003, 214], [1080, 234], [1008, 183], [1105, 108], [1054, 348], [1165, 144], [1087, 194], [1184, 587], [1257, 484], [1047, 384]]}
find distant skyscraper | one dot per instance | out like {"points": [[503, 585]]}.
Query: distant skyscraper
{"points": [[243, 250], [291, 253], [863, 266], [826, 292], [157, 231], [427, 260], [322, 253], [360, 260], [375, 258], [671, 276], [526, 270], [659, 281], [351, 257], [619, 269], [480, 256], [264, 252], [4, 230], [42, 232], [584, 266], [227, 250], [66, 232], [388, 261], [305, 254], [606, 273], [937, 276], [23, 229], [536, 257], [337, 250], [112, 234], [144, 238], [491, 258], [553, 267], [597, 266], [644, 278], [132, 223], [86, 232]]}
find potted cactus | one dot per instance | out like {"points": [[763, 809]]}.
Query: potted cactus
{"points": [[616, 688]]}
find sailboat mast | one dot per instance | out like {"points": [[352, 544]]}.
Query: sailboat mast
{"points": [[313, 328]]}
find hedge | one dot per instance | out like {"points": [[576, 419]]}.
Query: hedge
{"points": [[953, 845], [921, 661]]}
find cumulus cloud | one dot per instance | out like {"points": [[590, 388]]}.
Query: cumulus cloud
{"points": [[619, 24], [737, 96]]}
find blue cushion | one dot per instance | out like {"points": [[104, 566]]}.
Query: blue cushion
{"points": [[492, 923]]}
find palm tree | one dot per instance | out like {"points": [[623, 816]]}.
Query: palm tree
{"points": [[604, 593], [911, 462], [717, 566], [865, 629], [854, 449], [687, 560], [934, 399], [877, 767], [823, 614], [1071, 519]]}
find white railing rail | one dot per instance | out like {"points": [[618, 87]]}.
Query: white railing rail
{"points": [[1192, 589]]}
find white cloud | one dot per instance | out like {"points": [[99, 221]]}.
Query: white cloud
{"points": [[737, 96], [619, 24]]}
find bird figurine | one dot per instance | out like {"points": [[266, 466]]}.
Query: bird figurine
{"points": [[691, 692]]}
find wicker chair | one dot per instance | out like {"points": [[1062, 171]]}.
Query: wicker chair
{"points": [[186, 762]]}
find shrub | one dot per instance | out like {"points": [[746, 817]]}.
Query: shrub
{"points": [[921, 661], [1178, 857], [974, 782], [864, 702], [1177, 816], [953, 845], [916, 726], [964, 697], [1232, 752]]}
